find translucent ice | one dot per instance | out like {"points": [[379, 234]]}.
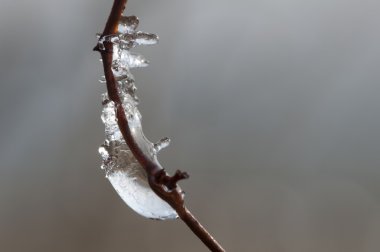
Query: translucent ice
{"points": [[143, 38], [109, 119], [128, 24], [122, 169], [127, 59], [163, 143], [132, 39], [130, 182]]}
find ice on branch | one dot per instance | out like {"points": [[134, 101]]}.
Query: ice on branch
{"points": [[122, 169], [163, 143], [128, 24]]}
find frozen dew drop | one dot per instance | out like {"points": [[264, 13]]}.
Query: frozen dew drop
{"points": [[163, 143], [123, 60], [133, 60], [128, 24], [130, 40], [103, 152], [142, 38]]}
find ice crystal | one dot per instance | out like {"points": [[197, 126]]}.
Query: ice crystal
{"points": [[122, 169]]}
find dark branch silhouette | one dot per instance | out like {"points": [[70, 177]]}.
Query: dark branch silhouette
{"points": [[164, 185]]}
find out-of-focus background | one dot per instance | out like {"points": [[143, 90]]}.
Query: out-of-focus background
{"points": [[272, 107]]}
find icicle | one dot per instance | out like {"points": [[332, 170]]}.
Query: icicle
{"points": [[128, 24], [163, 143], [142, 38]]}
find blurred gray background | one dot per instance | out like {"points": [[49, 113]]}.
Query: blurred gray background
{"points": [[272, 107]]}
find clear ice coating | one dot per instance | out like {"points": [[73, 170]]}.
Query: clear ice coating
{"points": [[122, 169], [128, 24]]}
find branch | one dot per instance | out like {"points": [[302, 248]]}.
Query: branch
{"points": [[164, 185]]}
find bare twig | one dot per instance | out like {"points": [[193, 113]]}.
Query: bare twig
{"points": [[162, 184]]}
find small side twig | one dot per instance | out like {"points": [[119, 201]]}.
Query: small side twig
{"points": [[164, 185]]}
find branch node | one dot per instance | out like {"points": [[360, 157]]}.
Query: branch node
{"points": [[179, 175], [170, 182]]}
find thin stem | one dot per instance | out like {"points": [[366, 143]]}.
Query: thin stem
{"points": [[199, 230], [162, 184]]}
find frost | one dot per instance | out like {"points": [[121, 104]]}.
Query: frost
{"points": [[122, 169]]}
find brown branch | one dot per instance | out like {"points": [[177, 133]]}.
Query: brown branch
{"points": [[162, 184]]}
